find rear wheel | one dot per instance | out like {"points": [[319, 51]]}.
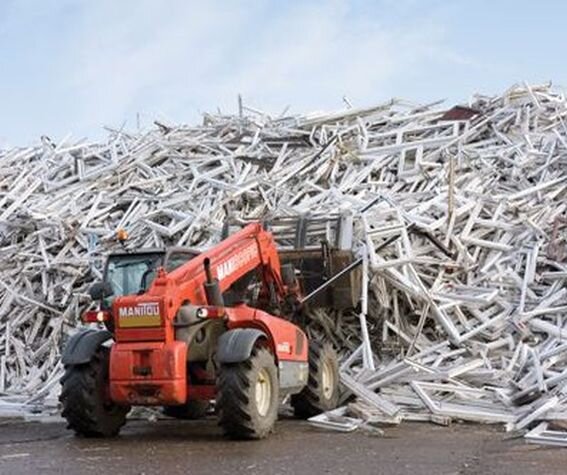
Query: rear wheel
{"points": [[321, 393], [88, 410], [191, 410], [248, 396]]}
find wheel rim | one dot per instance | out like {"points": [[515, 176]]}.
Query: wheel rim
{"points": [[263, 392], [328, 378]]}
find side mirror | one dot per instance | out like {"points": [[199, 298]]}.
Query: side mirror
{"points": [[100, 290]]}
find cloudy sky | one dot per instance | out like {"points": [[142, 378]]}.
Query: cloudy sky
{"points": [[71, 66]]}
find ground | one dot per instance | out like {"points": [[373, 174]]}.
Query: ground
{"points": [[194, 447]]}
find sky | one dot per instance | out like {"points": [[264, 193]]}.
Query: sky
{"points": [[73, 66]]}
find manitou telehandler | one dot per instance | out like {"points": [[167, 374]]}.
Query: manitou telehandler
{"points": [[184, 328]]}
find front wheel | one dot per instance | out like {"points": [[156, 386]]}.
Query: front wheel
{"points": [[248, 396], [86, 406], [321, 393]]}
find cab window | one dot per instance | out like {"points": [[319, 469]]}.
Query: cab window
{"points": [[177, 259], [131, 275]]}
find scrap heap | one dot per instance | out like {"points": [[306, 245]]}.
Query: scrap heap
{"points": [[463, 314]]}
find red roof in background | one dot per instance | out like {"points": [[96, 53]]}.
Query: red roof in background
{"points": [[459, 113]]}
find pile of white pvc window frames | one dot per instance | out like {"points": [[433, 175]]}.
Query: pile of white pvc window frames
{"points": [[460, 215]]}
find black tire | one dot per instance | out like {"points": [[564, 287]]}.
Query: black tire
{"points": [[240, 414], [87, 410], [191, 410], [315, 396]]}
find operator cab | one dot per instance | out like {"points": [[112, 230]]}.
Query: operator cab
{"points": [[132, 273]]}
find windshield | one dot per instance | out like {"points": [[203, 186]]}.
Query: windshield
{"points": [[131, 275]]}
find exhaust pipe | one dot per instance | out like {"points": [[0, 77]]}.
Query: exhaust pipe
{"points": [[212, 287]]}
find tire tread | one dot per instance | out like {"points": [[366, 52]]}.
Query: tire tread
{"points": [[235, 403]]}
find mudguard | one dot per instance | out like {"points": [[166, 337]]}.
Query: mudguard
{"points": [[235, 346], [82, 346]]}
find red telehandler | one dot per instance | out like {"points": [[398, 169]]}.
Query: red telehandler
{"points": [[184, 328]]}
